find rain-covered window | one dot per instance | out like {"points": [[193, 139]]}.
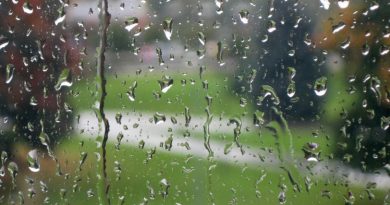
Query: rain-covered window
{"points": [[195, 102]]}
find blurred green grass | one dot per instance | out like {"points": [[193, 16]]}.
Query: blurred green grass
{"points": [[190, 178], [175, 100]]}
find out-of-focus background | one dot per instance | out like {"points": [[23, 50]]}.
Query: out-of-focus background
{"points": [[209, 102]]}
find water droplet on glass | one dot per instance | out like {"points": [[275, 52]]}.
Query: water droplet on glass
{"points": [[282, 197], [343, 3], [83, 157], [64, 80], [118, 118], [3, 42], [345, 44], [385, 122], [10, 69], [244, 16], [187, 116], [271, 27], [291, 90], [159, 118], [374, 6], [28, 8], [258, 118], [33, 101], [243, 102], [320, 86], [4, 157], [131, 92], [131, 23], [32, 160], [165, 83], [13, 170], [365, 49], [383, 50], [325, 4], [90, 193], [159, 55], [220, 54], [201, 38], [167, 26], [268, 91], [219, 4], [61, 16], [338, 27], [44, 139], [291, 72], [164, 187]]}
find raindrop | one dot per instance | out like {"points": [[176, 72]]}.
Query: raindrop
{"points": [[32, 160], [385, 122], [365, 49], [164, 187], [343, 3], [219, 4], [282, 197], [90, 193], [131, 92], [346, 43], [165, 83], [291, 89], [118, 117], [173, 120], [268, 91], [168, 143], [3, 42], [28, 8], [159, 118], [374, 6], [10, 69], [131, 23], [44, 187], [325, 4], [220, 54], [244, 16], [291, 72], [243, 102], [83, 157], [201, 38], [160, 58], [167, 26], [61, 16], [13, 170], [320, 86], [258, 118], [44, 139], [33, 101], [187, 116], [4, 157], [63, 80], [338, 27], [119, 138], [271, 26], [383, 50]]}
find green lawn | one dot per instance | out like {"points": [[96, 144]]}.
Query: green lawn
{"points": [[191, 180], [174, 100]]}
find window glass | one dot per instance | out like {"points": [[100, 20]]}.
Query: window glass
{"points": [[194, 102]]}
